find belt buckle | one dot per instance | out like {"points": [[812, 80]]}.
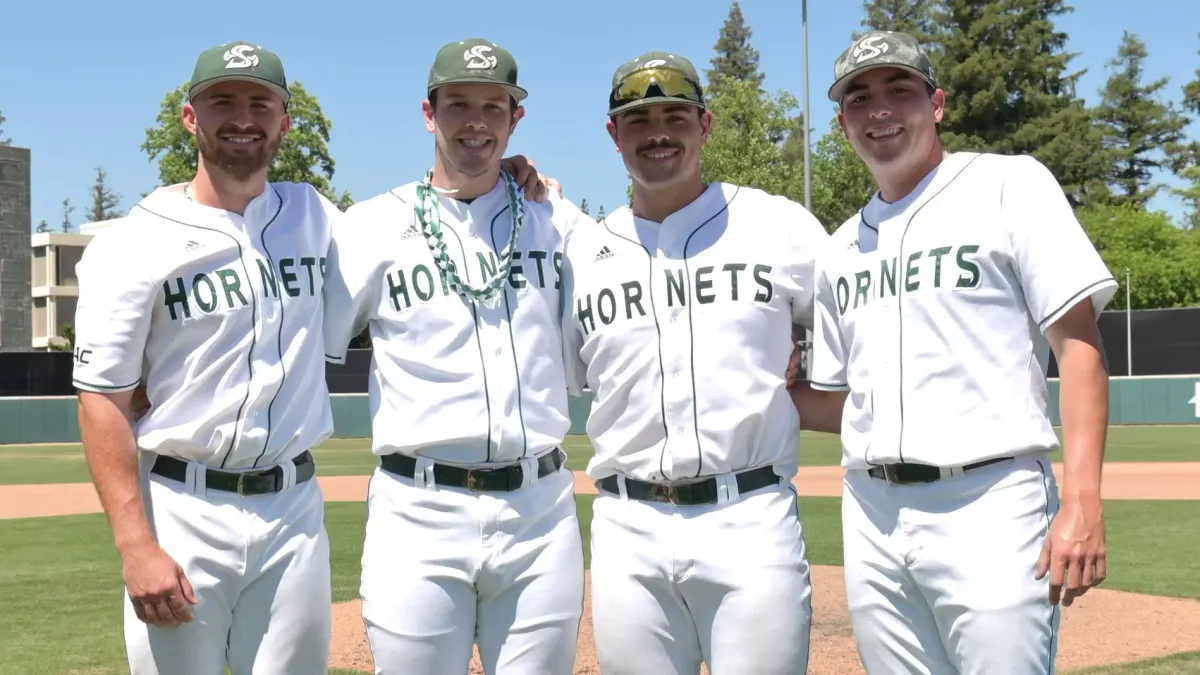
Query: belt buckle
{"points": [[252, 475], [472, 481], [889, 475], [241, 483], [668, 493]]}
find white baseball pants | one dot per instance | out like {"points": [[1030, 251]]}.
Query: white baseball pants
{"points": [[726, 583], [444, 569], [940, 576], [259, 566]]}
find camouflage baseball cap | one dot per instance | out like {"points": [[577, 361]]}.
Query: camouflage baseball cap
{"points": [[654, 77], [475, 61], [243, 61], [880, 49]]}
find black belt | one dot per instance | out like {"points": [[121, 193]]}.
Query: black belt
{"points": [[903, 474], [483, 479], [691, 493], [254, 482]]}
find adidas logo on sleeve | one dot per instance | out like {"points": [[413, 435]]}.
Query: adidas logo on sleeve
{"points": [[604, 254]]}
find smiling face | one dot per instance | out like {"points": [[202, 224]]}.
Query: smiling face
{"points": [[661, 143], [890, 117], [471, 124], [238, 127]]}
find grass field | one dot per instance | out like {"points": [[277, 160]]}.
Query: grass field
{"points": [[23, 465], [60, 584]]}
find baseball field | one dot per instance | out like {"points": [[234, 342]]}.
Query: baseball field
{"points": [[60, 579]]}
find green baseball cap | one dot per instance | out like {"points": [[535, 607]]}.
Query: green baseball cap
{"points": [[476, 61], [654, 77], [243, 61], [880, 49]]}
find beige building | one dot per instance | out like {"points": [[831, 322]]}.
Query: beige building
{"points": [[53, 285]]}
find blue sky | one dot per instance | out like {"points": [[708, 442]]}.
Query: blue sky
{"points": [[81, 83]]}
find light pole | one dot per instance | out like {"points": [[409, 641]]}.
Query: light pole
{"points": [[1128, 327], [807, 121]]}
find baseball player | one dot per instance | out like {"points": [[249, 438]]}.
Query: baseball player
{"points": [[207, 300], [679, 315], [936, 310], [209, 294], [472, 535]]}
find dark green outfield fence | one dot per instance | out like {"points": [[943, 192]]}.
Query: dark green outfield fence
{"points": [[1137, 400]]}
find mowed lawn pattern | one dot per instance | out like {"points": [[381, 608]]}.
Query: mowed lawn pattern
{"points": [[30, 465], [60, 584]]}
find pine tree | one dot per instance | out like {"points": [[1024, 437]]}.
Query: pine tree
{"points": [[600, 214], [104, 200], [583, 206], [43, 227], [1003, 67], [1187, 157], [1138, 127], [67, 211], [3, 140], [735, 58], [914, 17]]}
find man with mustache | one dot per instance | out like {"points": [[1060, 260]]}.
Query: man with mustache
{"points": [[208, 298], [471, 535], [679, 317], [936, 311]]}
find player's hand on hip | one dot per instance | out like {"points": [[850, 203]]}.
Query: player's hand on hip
{"points": [[158, 588], [1074, 552], [535, 186]]}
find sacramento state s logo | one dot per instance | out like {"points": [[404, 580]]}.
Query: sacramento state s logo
{"points": [[479, 57], [241, 56], [869, 49]]}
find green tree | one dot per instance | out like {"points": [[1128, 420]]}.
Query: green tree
{"points": [[914, 17], [43, 227], [740, 147], [1138, 127], [1163, 261], [1187, 157], [842, 183], [1003, 67], [583, 206], [303, 156], [104, 199], [736, 59], [3, 140], [67, 211]]}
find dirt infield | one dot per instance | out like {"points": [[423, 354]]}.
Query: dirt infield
{"points": [[1150, 627], [1122, 480]]}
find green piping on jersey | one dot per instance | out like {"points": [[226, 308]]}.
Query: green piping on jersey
{"points": [[512, 341]]}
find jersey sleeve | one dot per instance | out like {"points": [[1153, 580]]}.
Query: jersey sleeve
{"points": [[829, 349], [112, 316], [808, 240], [572, 341], [350, 291], [1056, 264]]}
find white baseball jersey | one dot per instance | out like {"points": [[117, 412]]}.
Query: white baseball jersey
{"points": [[931, 312], [682, 331], [453, 380], [219, 315]]}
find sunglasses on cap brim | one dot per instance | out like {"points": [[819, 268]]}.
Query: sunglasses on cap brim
{"points": [[670, 82]]}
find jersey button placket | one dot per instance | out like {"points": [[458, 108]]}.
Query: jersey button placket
{"points": [[676, 350]]}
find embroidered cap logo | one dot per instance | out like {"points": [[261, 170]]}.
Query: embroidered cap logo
{"points": [[869, 48], [241, 56], [479, 57]]}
